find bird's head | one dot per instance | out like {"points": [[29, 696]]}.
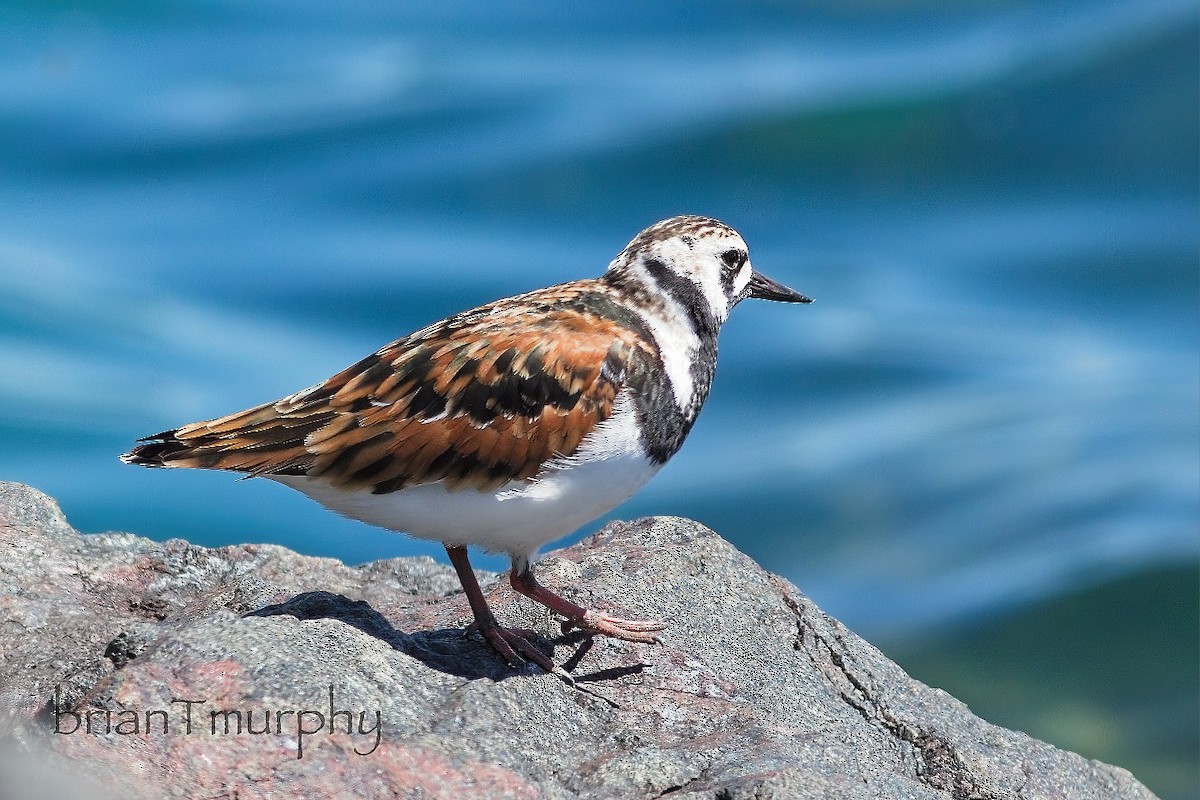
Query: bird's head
{"points": [[699, 262]]}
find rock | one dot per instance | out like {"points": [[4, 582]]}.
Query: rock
{"points": [[755, 694]]}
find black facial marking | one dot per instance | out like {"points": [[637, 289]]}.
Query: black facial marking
{"points": [[733, 259], [687, 294]]}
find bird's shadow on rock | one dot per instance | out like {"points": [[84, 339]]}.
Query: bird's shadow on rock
{"points": [[448, 650]]}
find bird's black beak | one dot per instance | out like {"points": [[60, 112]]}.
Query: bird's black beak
{"points": [[763, 288]]}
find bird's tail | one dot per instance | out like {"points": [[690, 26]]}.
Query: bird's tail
{"points": [[258, 441], [159, 450]]}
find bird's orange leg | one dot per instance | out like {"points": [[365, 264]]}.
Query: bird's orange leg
{"points": [[586, 619], [511, 644]]}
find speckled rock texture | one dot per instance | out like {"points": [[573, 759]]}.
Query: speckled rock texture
{"points": [[115, 641]]}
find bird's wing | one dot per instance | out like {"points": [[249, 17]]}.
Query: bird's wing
{"points": [[477, 400]]}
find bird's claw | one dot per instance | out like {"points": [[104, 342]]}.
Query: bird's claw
{"points": [[631, 630], [516, 647]]}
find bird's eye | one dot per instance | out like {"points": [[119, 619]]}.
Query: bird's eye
{"points": [[733, 259]]}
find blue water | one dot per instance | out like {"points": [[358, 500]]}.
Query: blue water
{"points": [[206, 205]]}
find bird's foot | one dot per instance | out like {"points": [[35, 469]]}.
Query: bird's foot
{"points": [[585, 619], [631, 630], [516, 646], [513, 644]]}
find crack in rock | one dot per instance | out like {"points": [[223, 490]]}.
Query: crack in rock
{"points": [[939, 765]]}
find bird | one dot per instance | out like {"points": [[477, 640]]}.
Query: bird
{"points": [[509, 425]]}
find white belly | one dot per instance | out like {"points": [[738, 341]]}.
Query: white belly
{"points": [[519, 517]]}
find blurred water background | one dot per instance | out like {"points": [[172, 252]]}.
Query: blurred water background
{"points": [[978, 448]]}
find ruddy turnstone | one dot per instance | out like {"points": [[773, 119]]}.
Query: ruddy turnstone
{"points": [[512, 424]]}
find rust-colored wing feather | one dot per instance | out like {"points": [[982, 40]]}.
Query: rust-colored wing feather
{"points": [[477, 400]]}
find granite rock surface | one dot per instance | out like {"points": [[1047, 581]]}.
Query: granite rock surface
{"points": [[146, 669]]}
